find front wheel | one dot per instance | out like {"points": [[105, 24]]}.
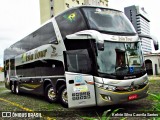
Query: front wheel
{"points": [[63, 98], [50, 94]]}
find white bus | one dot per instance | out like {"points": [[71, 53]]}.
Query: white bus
{"points": [[85, 56]]}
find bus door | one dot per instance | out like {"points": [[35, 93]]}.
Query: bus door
{"points": [[79, 80]]}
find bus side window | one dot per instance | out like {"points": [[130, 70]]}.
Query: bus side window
{"points": [[19, 70], [49, 68], [73, 20]]}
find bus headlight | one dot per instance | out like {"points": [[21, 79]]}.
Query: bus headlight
{"points": [[110, 88], [106, 87], [99, 85]]}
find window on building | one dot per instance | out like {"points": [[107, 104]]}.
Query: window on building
{"points": [[77, 1], [67, 5]]}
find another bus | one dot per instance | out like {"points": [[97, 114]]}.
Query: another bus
{"points": [[85, 56]]}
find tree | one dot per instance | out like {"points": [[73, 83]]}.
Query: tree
{"points": [[2, 70]]}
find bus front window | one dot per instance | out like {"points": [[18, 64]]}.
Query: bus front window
{"points": [[108, 20], [120, 59]]}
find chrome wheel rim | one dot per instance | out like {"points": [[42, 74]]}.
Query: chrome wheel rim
{"points": [[51, 94], [64, 96]]}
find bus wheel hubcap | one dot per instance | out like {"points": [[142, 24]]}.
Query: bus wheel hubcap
{"points": [[51, 94], [64, 96]]}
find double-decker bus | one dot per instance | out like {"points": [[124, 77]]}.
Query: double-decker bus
{"points": [[85, 56]]}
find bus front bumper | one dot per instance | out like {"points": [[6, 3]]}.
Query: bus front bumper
{"points": [[105, 97]]}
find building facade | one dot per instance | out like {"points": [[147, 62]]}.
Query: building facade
{"points": [[152, 63], [140, 20], [50, 8]]}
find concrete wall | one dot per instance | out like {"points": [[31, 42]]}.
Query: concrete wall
{"points": [[50, 8], [45, 10], [155, 60]]}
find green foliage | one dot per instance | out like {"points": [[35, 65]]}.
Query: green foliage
{"points": [[156, 98], [105, 116]]}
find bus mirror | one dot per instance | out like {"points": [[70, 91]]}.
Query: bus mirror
{"points": [[155, 41], [100, 46]]}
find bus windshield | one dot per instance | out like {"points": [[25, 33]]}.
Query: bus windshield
{"points": [[108, 20], [120, 59]]}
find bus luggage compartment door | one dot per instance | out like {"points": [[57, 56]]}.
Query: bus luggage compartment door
{"points": [[80, 90]]}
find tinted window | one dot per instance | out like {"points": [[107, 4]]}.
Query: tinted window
{"points": [[26, 70], [43, 35], [12, 67], [70, 22], [78, 61], [103, 19], [49, 68], [41, 68]]}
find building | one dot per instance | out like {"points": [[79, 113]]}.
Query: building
{"points": [[50, 8], [152, 63], [140, 20]]}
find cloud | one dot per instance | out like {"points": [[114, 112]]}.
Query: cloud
{"points": [[17, 19]]}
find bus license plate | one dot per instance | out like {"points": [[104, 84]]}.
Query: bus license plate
{"points": [[132, 97]]}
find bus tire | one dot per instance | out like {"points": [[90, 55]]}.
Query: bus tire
{"points": [[50, 94], [63, 98], [17, 89], [12, 87]]}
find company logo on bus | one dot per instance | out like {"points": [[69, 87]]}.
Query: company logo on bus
{"points": [[121, 38], [32, 56], [53, 51]]}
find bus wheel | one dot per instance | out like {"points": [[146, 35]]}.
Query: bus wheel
{"points": [[50, 94], [12, 88], [63, 98]]}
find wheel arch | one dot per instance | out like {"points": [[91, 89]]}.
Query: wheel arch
{"points": [[47, 82], [59, 83]]}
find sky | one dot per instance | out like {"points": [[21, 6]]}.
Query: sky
{"points": [[20, 17], [17, 19], [150, 6]]}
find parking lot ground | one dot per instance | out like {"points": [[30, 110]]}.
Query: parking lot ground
{"points": [[32, 103]]}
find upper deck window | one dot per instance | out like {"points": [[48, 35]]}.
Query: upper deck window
{"points": [[108, 20]]}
